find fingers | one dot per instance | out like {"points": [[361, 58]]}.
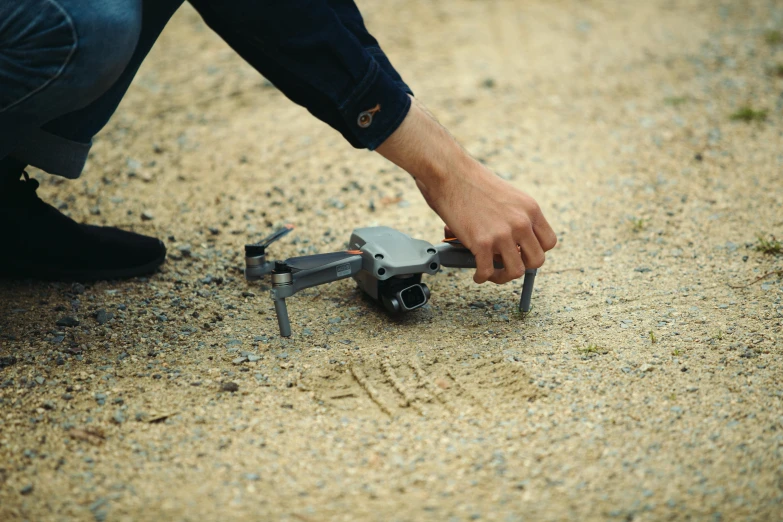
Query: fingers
{"points": [[519, 251], [485, 268], [544, 233], [513, 267], [531, 250], [485, 254]]}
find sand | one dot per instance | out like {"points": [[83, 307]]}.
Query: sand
{"points": [[645, 384]]}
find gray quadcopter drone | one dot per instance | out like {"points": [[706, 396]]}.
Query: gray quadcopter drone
{"points": [[386, 264]]}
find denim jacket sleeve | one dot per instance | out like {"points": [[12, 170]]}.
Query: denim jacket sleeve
{"points": [[321, 56]]}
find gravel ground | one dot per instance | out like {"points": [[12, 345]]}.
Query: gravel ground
{"points": [[645, 384]]}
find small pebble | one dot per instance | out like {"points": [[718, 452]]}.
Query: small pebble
{"points": [[67, 321], [7, 361], [102, 316], [229, 386]]}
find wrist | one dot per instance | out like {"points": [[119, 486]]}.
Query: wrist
{"points": [[426, 150]]}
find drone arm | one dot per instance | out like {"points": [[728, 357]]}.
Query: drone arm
{"points": [[327, 273], [456, 256], [257, 267]]}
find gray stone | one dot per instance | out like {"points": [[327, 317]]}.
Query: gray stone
{"points": [[102, 316], [67, 321]]}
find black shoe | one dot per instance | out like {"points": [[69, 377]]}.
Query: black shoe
{"points": [[37, 241]]}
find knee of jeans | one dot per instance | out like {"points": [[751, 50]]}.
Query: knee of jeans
{"points": [[106, 38]]}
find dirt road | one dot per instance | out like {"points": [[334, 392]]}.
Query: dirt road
{"points": [[645, 384]]}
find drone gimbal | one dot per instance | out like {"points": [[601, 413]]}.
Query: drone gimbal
{"points": [[386, 264]]}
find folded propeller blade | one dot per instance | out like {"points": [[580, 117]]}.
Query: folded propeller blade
{"points": [[316, 260], [274, 236]]}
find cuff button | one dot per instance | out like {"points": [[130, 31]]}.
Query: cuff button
{"points": [[365, 117]]}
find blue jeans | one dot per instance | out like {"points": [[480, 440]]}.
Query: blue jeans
{"points": [[64, 67], [66, 64]]}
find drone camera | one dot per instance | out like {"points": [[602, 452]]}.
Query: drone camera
{"points": [[406, 298], [415, 296]]}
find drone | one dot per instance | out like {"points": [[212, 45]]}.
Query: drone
{"points": [[385, 263]]}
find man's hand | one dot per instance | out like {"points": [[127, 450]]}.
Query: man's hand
{"points": [[489, 215], [492, 218]]}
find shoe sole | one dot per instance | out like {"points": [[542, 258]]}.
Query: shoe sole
{"points": [[49, 273]]}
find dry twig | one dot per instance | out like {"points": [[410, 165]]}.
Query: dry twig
{"points": [[778, 272]]}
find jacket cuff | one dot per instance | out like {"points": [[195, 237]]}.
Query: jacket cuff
{"points": [[375, 108], [386, 65]]}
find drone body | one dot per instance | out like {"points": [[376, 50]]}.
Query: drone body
{"points": [[393, 264], [386, 264]]}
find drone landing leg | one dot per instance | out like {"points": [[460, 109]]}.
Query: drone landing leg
{"points": [[282, 317], [527, 290]]}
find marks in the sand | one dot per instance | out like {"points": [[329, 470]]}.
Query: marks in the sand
{"points": [[404, 386]]}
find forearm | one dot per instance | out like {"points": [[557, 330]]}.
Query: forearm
{"points": [[426, 150]]}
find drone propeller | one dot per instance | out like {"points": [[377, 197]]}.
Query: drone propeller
{"points": [[316, 260], [274, 236], [259, 249]]}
